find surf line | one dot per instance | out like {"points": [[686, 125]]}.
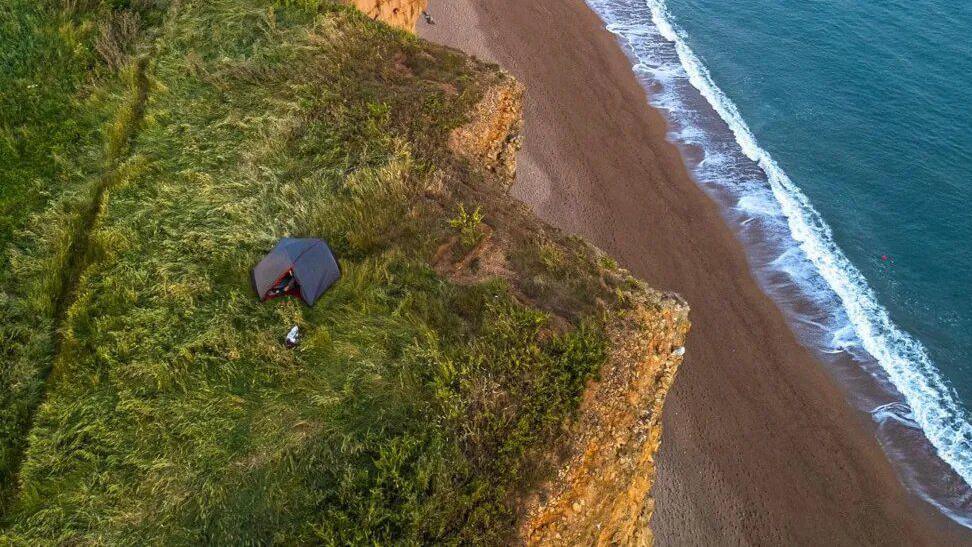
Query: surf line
{"points": [[901, 357], [905, 360]]}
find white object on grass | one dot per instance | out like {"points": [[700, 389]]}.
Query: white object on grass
{"points": [[292, 336]]}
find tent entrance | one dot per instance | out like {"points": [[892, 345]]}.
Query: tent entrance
{"points": [[285, 285]]}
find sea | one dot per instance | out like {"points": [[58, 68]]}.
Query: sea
{"points": [[837, 136]]}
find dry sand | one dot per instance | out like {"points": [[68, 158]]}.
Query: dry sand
{"points": [[760, 445]]}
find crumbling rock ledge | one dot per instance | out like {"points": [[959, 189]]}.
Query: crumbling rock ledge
{"points": [[492, 137], [397, 13]]}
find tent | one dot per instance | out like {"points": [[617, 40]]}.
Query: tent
{"points": [[302, 267]]}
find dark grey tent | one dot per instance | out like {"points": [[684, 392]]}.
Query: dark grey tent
{"points": [[304, 267]]}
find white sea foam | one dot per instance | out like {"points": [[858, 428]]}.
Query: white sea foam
{"points": [[756, 204], [845, 338], [863, 321]]}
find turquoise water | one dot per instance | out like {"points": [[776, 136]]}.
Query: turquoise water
{"points": [[838, 137]]}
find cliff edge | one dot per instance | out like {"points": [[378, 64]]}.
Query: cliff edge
{"points": [[601, 494], [475, 376]]}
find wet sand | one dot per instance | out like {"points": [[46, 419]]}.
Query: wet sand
{"points": [[760, 444]]}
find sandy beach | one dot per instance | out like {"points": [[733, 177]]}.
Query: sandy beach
{"points": [[760, 444]]}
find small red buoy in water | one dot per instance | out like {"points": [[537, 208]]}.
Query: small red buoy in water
{"points": [[884, 258]]}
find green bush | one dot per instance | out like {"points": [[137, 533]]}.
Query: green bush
{"points": [[468, 225]]}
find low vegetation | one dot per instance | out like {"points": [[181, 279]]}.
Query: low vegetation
{"points": [[146, 394], [468, 225]]}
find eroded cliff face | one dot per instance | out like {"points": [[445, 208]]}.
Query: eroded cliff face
{"points": [[492, 138], [397, 13], [601, 493]]}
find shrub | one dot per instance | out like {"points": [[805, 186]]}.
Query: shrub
{"points": [[468, 225]]}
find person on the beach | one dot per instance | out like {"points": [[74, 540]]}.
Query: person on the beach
{"points": [[428, 17]]}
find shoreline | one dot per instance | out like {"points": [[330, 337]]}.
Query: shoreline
{"points": [[761, 445], [827, 310]]}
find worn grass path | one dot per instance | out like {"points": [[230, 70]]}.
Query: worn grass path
{"points": [[68, 125]]}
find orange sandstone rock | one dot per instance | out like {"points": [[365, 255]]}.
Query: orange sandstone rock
{"points": [[601, 496], [492, 137], [397, 13]]}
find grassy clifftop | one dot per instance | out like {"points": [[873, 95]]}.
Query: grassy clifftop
{"points": [[146, 395]]}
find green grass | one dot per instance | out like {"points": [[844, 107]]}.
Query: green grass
{"points": [[58, 114], [416, 410]]}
